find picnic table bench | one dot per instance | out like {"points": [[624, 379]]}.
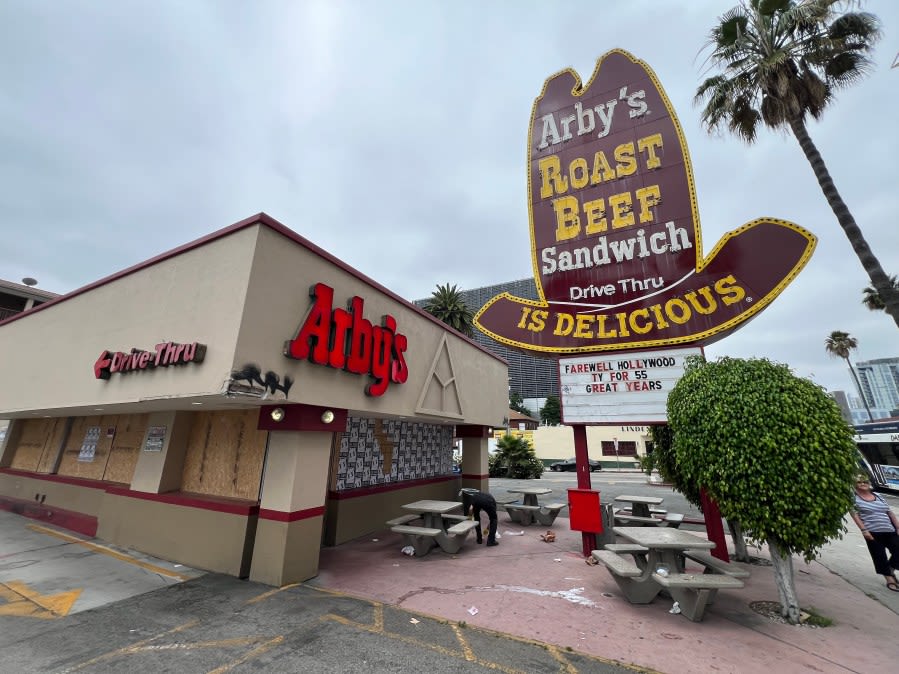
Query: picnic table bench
{"points": [[456, 518], [524, 514], [548, 513], [423, 539], [629, 548], [693, 592], [639, 520], [629, 577], [658, 518], [674, 520], [402, 519], [715, 565]]}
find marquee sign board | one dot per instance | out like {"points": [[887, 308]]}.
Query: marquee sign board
{"points": [[616, 243], [629, 387]]}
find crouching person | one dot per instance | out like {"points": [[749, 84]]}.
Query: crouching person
{"points": [[473, 502]]}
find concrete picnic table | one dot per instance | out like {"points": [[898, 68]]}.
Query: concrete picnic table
{"points": [[530, 494], [665, 549], [432, 512], [640, 504]]}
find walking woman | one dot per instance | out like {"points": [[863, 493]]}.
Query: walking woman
{"points": [[879, 525]]}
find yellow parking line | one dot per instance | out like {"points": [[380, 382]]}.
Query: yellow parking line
{"points": [[110, 552]]}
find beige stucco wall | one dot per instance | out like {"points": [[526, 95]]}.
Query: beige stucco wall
{"points": [[349, 518], [197, 537], [278, 301], [76, 498], [557, 442], [286, 552], [243, 295], [197, 296]]}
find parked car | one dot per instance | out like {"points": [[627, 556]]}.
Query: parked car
{"points": [[571, 464]]}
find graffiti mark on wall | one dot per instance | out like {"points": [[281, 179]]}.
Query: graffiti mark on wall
{"points": [[249, 380]]}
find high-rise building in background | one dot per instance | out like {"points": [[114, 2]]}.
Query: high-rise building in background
{"points": [[854, 410], [529, 376], [879, 381]]}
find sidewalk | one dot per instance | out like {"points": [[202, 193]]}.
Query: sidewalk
{"points": [[546, 592]]}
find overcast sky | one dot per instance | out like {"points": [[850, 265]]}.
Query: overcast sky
{"points": [[393, 134]]}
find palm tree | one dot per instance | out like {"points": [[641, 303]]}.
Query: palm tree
{"points": [[446, 304], [871, 298], [780, 61], [839, 344], [514, 454]]}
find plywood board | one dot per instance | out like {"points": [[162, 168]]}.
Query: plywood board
{"points": [[31, 445], [225, 454], [128, 435], [38, 443], [73, 463], [53, 447]]}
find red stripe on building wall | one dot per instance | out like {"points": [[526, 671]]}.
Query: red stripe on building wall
{"points": [[63, 479], [383, 488], [279, 516], [243, 508], [86, 525], [473, 476]]}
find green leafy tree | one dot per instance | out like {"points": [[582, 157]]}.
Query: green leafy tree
{"points": [[872, 299], [516, 402], [515, 458], [664, 460], [840, 344], [551, 412], [446, 304], [772, 450], [779, 62]]}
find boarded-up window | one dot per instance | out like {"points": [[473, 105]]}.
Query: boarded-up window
{"points": [[87, 448], [225, 454], [38, 445], [129, 433], [103, 447], [625, 448]]}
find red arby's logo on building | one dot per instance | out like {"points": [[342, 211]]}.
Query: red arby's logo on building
{"points": [[615, 236], [344, 339], [162, 355]]}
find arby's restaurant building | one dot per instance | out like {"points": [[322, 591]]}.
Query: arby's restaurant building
{"points": [[238, 402]]}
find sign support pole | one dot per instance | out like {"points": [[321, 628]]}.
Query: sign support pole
{"points": [[588, 539]]}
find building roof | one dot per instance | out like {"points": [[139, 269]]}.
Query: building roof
{"points": [[28, 292], [515, 415]]}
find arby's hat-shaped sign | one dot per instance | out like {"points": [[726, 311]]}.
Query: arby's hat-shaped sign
{"points": [[615, 235]]}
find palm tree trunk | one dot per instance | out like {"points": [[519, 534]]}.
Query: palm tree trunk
{"points": [[858, 387], [879, 279]]}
